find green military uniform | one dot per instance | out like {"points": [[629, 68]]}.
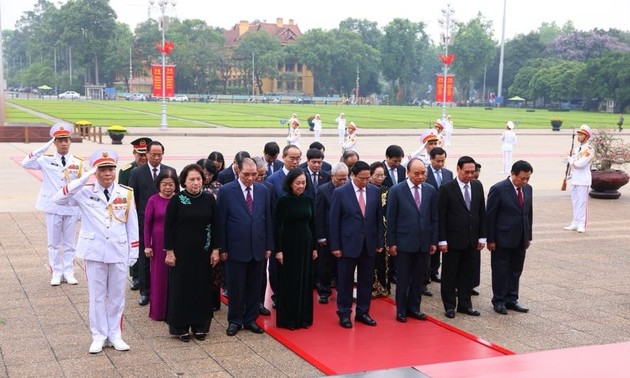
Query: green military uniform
{"points": [[125, 173]]}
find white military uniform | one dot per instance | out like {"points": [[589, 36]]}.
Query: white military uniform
{"points": [[350, 143], [108, 243], [61, 221], [341, 128], [317, 127], [421, 153], [580, 162], [508, 139], [294, 135]]}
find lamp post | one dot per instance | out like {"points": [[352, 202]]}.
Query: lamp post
{"points": [[500, 86], [162, 25], [447, 39], [357, 88]]}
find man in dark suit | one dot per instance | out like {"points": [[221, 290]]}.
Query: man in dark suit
{"points": [[246, 243], [412, 235], [230, 173], [349, 157], [142, 180], [510, 217], [327, 263], [462, 220], [394, 172], [291, 156], [261, 166], [356, 235], [326, 167], [315, 176], [436, 175], [270, 154]]}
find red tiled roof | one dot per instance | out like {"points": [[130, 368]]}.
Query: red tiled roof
{"points": [[286, 34]]}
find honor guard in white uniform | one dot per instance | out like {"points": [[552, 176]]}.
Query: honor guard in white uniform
{"points": [[580, 163], [58, 170], [294, 133], [341, 128], [440, 130], [108, 244], [428, 140], [350, 143]]}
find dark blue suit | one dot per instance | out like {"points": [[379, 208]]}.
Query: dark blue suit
{"points": [[277, 165], [322, 178], [326, 167], [358, 238], [447, 175], [326, 262], [400, 171], [510, 227], [245, 238], [412, 231], [277, 180], [226, 175]]}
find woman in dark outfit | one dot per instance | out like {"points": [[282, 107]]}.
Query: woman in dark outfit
{"points": [[296, 248], [191, 252]]}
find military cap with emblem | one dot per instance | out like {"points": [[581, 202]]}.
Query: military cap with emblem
{"points": [[428, 135], [586, 130], [104, 158], [140, 144], [61, 130]]}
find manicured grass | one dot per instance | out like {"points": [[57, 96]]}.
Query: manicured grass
{"points": [[147, 114]]}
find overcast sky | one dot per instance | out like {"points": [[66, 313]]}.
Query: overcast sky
{"points": [[522, 16]]}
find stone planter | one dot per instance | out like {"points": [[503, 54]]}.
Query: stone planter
{"points": [[555, 125], [116, 137], [606, 184]]}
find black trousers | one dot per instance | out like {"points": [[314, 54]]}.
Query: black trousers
{"points": [[144, 272], [242, 281], [411, 272], [345, 272], [327, 269], [457, 271], [507, 266]]}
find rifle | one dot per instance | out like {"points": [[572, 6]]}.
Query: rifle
{"points": [[566, 173]]}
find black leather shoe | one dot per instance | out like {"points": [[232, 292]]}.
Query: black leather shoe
{"points": [[474, 292], [262, 310], [436, 278], [401, 318], [365, 319], [135, 284], [417, 315], [232, 329], [345, 322], [426, 292], [255, 328], [500, 309], [200, 336], [450, 314], [323, 300], [144, 300], [185, 337], [469, 311], [516, 307]]}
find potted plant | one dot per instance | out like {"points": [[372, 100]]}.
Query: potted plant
{"points": [[610, 151], [556, 122], [116, 133]]}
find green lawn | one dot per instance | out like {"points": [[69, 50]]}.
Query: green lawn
{"points": [[147, 114]]}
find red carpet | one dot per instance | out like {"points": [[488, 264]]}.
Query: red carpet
{"points": [[390, 344]]}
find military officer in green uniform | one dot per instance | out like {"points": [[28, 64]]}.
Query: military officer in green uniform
{"points": [[140, 159]]}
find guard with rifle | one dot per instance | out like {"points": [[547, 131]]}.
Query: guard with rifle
{"points": [[579, 172]]}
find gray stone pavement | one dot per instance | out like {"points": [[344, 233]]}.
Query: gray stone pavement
{"points": [[577, 286]]}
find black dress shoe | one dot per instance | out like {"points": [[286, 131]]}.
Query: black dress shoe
{"points": [[450, 314], [345, 322], [232, 329], [401, 318], [426, 292], [144, 300], [474, 292], [323, 300], [185, 337], [469, 311], [500, 309], [135, 284], [435, 278], [516, 307], [255, 328], [365, 319], [201, 336], [262, 310], [417, 315]]}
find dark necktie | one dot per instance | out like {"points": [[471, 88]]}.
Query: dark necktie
{"points": [[467, 196], [393, 174], [314, 175], [416, 196], [63, 160], [269, 169], [154, 173], [106, 192], [521, 203], [249, 201]]}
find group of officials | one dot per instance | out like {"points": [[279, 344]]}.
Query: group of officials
{"points": [[426, 211]]}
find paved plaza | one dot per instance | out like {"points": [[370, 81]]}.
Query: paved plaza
{"points": [[577, 286]]}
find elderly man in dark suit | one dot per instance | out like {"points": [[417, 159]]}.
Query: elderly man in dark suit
{"points": [[462, 224], [412, 235], [315, 176], [142, 180], [436, 176], [356, 235], [327, 264], [291, 156], [510, 217], [230, 173], [246, 243]]}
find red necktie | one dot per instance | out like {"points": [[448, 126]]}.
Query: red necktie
{"points": [[249, 201], [521, 203], [362, 202]]}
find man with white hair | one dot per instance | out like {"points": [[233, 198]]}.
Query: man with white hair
{"points": [[580, 163]]}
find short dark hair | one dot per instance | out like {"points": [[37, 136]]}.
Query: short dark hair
{"points": [[521, 166], [238, 158], [314, 153], [347, 154], [164, 174], [208, 165], [271, 148], [394, 151], [464, 160], [155, 143], [293, 174], [184, 174], [360, 166], [477, 166], [318, 146], [375, 165], [437, 151], [217, 156]]}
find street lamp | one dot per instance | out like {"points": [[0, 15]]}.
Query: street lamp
{"points": [[447, 38], [163, 25]]}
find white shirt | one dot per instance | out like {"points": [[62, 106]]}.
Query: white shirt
{"points": [[244, 190]]}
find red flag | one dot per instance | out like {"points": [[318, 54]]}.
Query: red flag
{"points": [[166, 49], [447, 59]]}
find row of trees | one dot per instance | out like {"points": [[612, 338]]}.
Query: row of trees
{"points": [[81, 42]]}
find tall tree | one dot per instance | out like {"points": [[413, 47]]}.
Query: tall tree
{"points": [[368, 30], [260, 52]]}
